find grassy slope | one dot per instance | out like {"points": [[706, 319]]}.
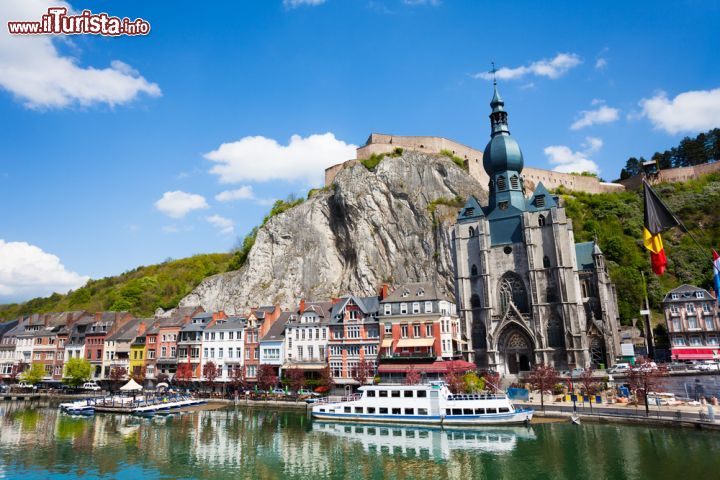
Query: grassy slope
{"points": [[616, 219], [140, 291]]}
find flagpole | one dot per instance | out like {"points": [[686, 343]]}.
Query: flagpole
{"points": [[649, 340]]}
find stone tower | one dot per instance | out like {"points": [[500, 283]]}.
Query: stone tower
{"points": [[518, 280]]}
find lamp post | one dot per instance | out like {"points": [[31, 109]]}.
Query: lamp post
{"points": [[716, 356]]}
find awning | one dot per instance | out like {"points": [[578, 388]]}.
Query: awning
{"points": [[387, 342], [693, 353], [415, 342], [435, 367], [304, 366]]}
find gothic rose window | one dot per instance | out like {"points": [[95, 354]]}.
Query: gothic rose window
{"points": [[512, 289]]}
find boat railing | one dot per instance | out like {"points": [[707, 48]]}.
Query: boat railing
{"points": [[472, 396], [333, 399]]}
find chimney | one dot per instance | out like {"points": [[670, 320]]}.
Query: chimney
{"points": [[98, 316], [384, 291], [141, 328], [302, 306]]}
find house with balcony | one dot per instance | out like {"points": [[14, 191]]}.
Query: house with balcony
{"points": [[354, 337], [104, 323], [8, 338], [693, 323], [116, 348], [223, 344], [77, 326], [306, 338], [168, 332], [191, 340], [256, 326], [420, 329]]}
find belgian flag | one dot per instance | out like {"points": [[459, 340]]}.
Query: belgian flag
{"points": [[658, 218]]}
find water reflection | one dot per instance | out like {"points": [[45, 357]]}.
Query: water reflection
{"points": [[40, 442], [426, 443]]}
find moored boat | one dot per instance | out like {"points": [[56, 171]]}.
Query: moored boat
{"points": [[432, 404]]}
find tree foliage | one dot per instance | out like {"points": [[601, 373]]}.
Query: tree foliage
{"points": [[34, 374], [140, 291], [266, 377], [543, 378], [295, 378], [76, 372], [211, 373], [645, 377], [412, 376], [363, 371], [473, 383]]}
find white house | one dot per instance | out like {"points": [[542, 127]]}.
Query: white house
{"points": [[222, 344]]}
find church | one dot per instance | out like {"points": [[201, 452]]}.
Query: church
{"points": [[526, 292]]}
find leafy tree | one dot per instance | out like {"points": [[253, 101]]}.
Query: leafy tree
{"points": [[184, 373], [492, 381], [543, 378], [473, 383], [210, 372], [363, 371], [266, 377], [454, 379], [589, 384], [237, 378], [117, 375], [34, 374], [412, 376], [645, 378], [295, 378], [76, 372]]}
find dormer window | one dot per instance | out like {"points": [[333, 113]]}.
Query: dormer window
{"points": [[540, 201], [469, 212], [514, 182], [675, 296], [501, 183], [405, 293], [699, 294], [420, 292]]}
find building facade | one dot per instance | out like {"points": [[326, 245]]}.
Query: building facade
{"points": [[354, 338], [693, 323], [306, 337], [518, 280]]}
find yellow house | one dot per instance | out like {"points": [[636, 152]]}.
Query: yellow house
{"points": [[137, 358]]}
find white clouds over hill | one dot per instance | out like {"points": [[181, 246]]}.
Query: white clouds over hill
{"points": [[692, 112]]}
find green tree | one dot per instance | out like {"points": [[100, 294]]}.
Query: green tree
{"points": [[77, 371], [34, 374], [473, 383]]}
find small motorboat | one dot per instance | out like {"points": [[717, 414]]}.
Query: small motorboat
{"points": [[575, 419]]}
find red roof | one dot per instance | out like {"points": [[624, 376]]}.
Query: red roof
{"points": [[436, 367], [693, 353]]}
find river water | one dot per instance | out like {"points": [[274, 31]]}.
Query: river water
{"points": [[40, 442]]}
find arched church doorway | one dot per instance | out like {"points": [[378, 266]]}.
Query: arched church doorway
{"points": [[516, 351]]}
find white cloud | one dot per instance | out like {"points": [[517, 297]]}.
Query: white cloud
{"points": [[550, 68], [600, 63], [224, 225], [602, 114], [33, 70], [693, 111], [301, 3], [568, 161], [243, 193], [177, 204], [262, 159], [27, 271]]}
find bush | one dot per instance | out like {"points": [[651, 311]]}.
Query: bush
{"points": [[372, 161], [457, 160]]}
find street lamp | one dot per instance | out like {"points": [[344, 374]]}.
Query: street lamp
{"points": [[716, 356]]}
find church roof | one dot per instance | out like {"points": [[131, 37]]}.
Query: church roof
{"points": [[471, 210], [541, 199], [584, 254]]}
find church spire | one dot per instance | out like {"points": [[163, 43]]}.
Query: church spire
{"points": [[498, 116]]}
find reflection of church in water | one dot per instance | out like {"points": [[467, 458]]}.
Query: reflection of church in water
{"points": [[526, 291]]}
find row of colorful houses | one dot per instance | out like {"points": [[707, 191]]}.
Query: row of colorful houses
{"points": [[414, 326]]}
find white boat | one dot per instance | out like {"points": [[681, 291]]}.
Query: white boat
{"points": [[432, 404]]}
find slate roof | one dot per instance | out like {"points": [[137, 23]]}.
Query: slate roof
{"points": [[232, 323], [584, 255], [127, 332], [322, 309], [277, 329], [430, 289], [367, 305], [6, 327], [687, 293]]}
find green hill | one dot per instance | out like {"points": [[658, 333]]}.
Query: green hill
{"points": [[616, 219], [139, 291]]}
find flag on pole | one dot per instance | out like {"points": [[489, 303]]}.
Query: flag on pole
{"points": [[658, 218], [716, 274]]}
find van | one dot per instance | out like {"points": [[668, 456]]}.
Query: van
{"points": [[619, 368], [91, 386]]}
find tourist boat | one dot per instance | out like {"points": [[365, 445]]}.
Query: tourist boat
{"points": [[432, 404]]}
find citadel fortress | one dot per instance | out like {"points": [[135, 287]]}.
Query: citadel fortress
{"points": [[379, 143]]}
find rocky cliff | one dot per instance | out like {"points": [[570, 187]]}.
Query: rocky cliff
{"points": [[370, 227]]}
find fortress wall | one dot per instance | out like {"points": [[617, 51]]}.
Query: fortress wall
{"points": [[579, 183], [331, 172], [670, 175]]}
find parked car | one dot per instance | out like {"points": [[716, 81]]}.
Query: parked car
{"points": [[649, 366], [25, 386], [277, 391], [577, 372], [91, 386], [305, 392], [4, 388], [619, 368]]}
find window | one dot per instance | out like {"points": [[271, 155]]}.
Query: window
{"points": [[388, 309], [674, 309], [310, 352], [370, 409], [371, 393], [231, 335], [395, 393], [404, 331], [501, 185], [353, 332], [540, 203], [695, 341], [428, 330], [678, 341], [388, 329], [421, 394], [220, 353], [416, 331], [422, 411], [712, 340], [690, 307], [358, 409], [473, 271], [416, 307], [403, 309], [428, 307], [382, 393], [151, 354], [675, 296], [409, 411], [541, 220], [383, 411], [514, 182], [471, 232], [172, 351], [300, 351], [222, 335], [408, 393], [706, 308], [699, 294], [692, 323], [397, 411]]}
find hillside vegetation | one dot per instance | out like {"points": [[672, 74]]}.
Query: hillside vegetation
{"points": [[140, 291], [616, 219]]}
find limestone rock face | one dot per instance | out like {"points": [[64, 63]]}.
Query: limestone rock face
{"points": [[371, 227]]}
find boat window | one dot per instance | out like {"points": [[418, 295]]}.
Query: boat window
{"points": [[410, 434], [384, 432], [457, 411], [450, 397], [394, 393], [322, 409], [421, 394], [408, 393], [397, 433], [396, 411], [358, 409], [409, 411], [370, 393], [382, 393], [348, 429], [423, 434], [347, 409], [479, 411], [371, 409], [492, 410], [383, 411], [504, 410], [371, 431], [467, 411], [448, 411], [422, 411], [359, 430]]}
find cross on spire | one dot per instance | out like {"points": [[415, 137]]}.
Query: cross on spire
{"points": [[493, 71]]}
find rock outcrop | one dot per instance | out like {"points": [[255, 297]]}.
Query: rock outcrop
{"points": [[390, 225]]}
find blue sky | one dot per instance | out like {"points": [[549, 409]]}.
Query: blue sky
{"points": [[115, 151]]}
